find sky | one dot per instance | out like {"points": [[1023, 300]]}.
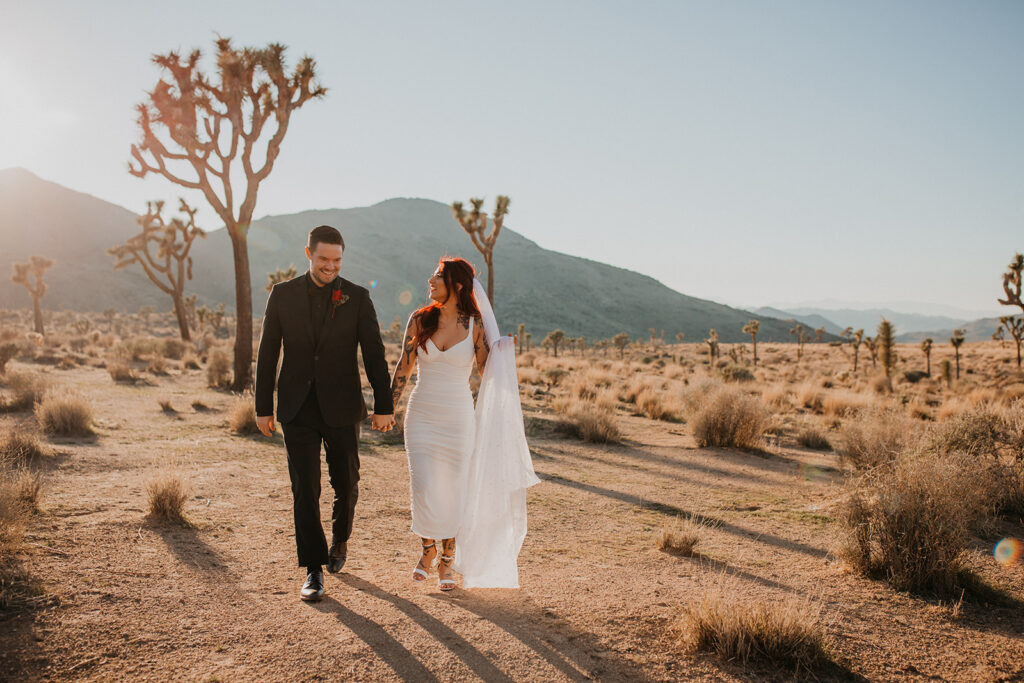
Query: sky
{"points": [[748, 152]]}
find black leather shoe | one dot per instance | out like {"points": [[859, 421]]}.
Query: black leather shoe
{"points": [[313, 589], [337, 556]]}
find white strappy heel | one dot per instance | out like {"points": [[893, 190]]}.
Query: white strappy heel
{"points": [[420, 573]]}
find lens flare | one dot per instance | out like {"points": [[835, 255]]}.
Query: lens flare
{"points": [[373, 284], [405, 297], [1008, 551]]}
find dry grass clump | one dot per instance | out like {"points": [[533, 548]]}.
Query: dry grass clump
{"points": [[64, 414], [590, 421], [174, 349], [697, 393], [243, 416], [731, 418], [121, 370], [157, 365], [978, 432], [19, 448], [736, 373], [875, 437], [659, 405], [26, 388], [845, 403], [740, 629], [528, 375], [680, 537], [814, 438], [218, 371], [777, 397], [8, 351], [811, 397], [167, 495], [910, 520], [881, 384]]}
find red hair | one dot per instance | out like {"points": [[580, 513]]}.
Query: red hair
{"points": [[455, 271]]}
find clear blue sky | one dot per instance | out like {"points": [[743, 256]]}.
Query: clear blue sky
{"points": [[746, 152]]}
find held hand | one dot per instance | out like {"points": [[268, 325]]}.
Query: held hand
{"points": [[383, 423], [265, 423]]}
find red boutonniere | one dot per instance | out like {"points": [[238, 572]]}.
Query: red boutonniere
{"points": [[337, 299]]}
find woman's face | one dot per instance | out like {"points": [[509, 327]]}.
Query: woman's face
{"points": [[438, 290]]}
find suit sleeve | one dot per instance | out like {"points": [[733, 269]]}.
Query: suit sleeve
{"points": [[266, 357], [374, 359]]}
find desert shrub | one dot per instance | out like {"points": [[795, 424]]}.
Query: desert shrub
{"points": [[19, 448], [811, 437], [143, 347], [591, 422], [173, 349], [167, 495], [27, 389], [8, 351], [529, 375], [811, 397], [776, 397], [875, 437], [658, 405], [189, 361], [910, 520], [23, 487], [157, 365], [978, 431], [554, 375], [680, 536], [844, 403], [165, 406], [881, 384], [218, 371], [64, 414], [243, 416], [731, 418], [740, 629], [736, 373], [914, 376], [696, 395]]}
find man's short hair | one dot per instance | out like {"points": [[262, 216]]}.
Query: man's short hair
{"points": [[326, 234]]}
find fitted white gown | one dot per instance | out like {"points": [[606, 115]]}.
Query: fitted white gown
{"points": [[439, 434]]}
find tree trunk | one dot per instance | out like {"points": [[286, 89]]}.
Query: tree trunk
{"points": [[855, 354], [958, 363], [37, 312], [490, 279], [1018, 353], [755, 352], [179, 313], [243, 312], [928, 357]]}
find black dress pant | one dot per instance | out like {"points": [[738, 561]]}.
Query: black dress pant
{"points": [[302, 438]]}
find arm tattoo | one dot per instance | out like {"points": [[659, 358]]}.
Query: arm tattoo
{"points": [[480, 347], [404, 368]]}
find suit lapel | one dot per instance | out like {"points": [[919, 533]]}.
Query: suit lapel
{"points": [[302, 307], [332, 311]]}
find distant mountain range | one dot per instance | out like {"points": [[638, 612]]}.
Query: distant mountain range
{"points": [[391, 247]]}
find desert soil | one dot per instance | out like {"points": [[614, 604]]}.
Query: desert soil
{"points": [[125, 598]]}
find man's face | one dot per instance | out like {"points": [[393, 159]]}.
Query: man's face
{"points": [[324, 262]]}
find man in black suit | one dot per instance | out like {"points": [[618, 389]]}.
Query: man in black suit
{"points": [[321, 318]]}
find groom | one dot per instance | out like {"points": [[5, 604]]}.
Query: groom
{"points": [[321, 318]]}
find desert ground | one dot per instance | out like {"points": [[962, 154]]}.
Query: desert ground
{"points": [[99, 586]]}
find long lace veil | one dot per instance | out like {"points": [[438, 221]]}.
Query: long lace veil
{"points": [[500, 469]]}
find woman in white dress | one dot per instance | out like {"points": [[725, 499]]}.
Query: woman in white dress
{"points": [[443, 338]]}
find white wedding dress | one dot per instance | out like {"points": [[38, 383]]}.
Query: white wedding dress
{"points": [[470, 467], [439, 431]]}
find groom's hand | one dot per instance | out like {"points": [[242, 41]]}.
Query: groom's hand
{"points": [[265, 424], [383, 423]]}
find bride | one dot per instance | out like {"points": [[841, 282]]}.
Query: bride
{"points": [[469, 467]]}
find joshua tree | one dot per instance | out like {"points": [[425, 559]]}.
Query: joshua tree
{"points": [[475, 224], [162, 250], [521, 335], [1012, 282], [886, 341], [802, 337], [926, 348], [1015, 326], [752, 328], [280, 275], [947, 372], [621, 341], [854, 339], [956, 340], [582, 341], [529, 336], [35, 267], [680, 336], [872, 347], [818, 334], [205, 131], [554, 338], [1000, 336], [712, 342]]}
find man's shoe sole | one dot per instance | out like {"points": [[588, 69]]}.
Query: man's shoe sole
{"points": [[311, 598]]}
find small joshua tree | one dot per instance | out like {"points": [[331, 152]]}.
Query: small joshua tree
{"points": [[957, 340], [818, 334], [529, 336], [712, 342], [621, 341], [872, 347], [474, 222], [521, 335], [554, 339], [926, 349], [886, 341], [854, 339], [680, 336], [1000, 336], [802, 337], [162, 250], [947, 372], [1015, 326], [752, 329], [34, 269], [280, 275]]}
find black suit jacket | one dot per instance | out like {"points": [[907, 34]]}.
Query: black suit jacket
{"points": [[331, 362]]}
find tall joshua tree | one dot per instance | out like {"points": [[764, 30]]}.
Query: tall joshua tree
{"points": [[1015, 326], [886, 341], [162, 250], [554, 339], [474, 222], [752, 329], [205, 131], [926, 349], [1012, 289], [957, 340], [33, 269]]}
